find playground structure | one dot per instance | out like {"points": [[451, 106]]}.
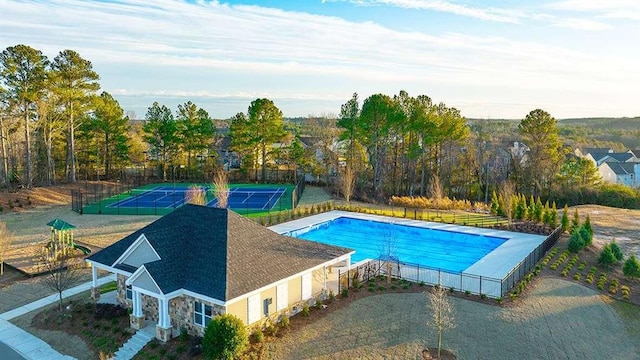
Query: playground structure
{"points": [[61, 240]]}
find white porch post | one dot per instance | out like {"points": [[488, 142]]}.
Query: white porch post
{"points": [[95, 291], [137, 303], [137, 316], [163, 329]]}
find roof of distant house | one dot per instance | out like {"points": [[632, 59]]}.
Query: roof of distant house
{"points": [[218, 253], [619, 157], [621, 168]]}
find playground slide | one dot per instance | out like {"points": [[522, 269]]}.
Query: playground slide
{"points": [[84, 249]]}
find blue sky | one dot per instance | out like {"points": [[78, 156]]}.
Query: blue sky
{"points": [[490, 59]]}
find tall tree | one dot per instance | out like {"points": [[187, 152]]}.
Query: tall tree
{"points": [[195, 128], [109, 128], [242, 141], [378, 113], [540, 133], [265, 120], [348, 120], [5, 113], [161, 133], [51, 126], [76, 83], [23, 73]]}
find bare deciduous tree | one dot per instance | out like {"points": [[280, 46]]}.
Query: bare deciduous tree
{"points": [[6, 238], [443, 315], [221, 188], [347, 183], [435, 190], [196, 195], [59, 269], [388, 250]]}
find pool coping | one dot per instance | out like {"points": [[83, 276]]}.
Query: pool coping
{"points": [[497, 264]]}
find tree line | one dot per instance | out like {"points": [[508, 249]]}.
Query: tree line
{"points": [[56, 125]]}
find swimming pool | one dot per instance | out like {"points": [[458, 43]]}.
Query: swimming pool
{"points": [[448, 250], [478, 260]]}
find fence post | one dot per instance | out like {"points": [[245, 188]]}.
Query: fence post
{"points": [[480, 285]]}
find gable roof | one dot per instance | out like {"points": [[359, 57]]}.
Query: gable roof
{"points": [[619, 157], [218, 253], [621, 168]]}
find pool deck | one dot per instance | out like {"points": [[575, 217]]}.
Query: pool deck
{"points": [[496, 264]]}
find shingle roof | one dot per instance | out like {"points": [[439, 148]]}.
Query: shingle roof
{"points": [[218, 253], [620, 168], [621, 157]]}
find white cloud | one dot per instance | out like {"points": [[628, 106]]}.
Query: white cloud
{"points": [[491, 14], [217, 51], [606, 9], [582, 24]]}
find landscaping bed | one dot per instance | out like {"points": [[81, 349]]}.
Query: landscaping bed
{"points": [[103, 327]]}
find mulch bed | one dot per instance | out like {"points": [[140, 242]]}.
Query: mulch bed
{"points": [[103, 327]]}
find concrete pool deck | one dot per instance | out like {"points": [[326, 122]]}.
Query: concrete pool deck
{"points": [[497, 264]]}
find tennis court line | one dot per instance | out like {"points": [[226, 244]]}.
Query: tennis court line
{"points": [[279, 192]]}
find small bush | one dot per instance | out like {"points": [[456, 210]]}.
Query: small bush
{"points": [[257, 336], [344, 293], [631, 267], [305, 310], [285, 322], [617, 252], [451, 289], [224, 337], [577, 276], [607, 256]]}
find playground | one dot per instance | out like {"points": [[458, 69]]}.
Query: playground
{"points": [[27, 259]]}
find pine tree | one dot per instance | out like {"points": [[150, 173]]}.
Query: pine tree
{"points": [[576, 243], [531, 210], [631, 267], [606, 257], [587, 225], [494, 203], [615, 249], [565, 218], [575, 223], [553, 221], [538, 210]]}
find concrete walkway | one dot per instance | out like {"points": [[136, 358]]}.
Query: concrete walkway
{"points": [[24, 343]]}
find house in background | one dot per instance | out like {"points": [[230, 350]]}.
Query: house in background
{"points": [[196, 262], [623, 173]]}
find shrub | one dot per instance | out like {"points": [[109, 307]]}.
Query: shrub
{"points": [[345, 293], [582, 265], [451, 289], [305, 310], [576, 243], [577, 276], [225, 337], [606, 257], [284, 322], [565, 218], [586, 235], [631, 267], [617, 252]]}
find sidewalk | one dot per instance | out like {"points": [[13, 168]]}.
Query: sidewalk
{"points": [[29, 346]]}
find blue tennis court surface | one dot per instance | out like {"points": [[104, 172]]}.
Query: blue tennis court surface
{"points": [[447, 250], [242, 198]]}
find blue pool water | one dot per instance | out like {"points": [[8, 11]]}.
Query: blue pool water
{"points": [[447, 250]]}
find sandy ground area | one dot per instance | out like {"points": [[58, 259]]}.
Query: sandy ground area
{"points": [[609, 223], [558, 320]]}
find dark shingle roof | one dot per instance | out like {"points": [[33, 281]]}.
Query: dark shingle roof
{"points": [[620, 157], [218, 253], [621, 168]]}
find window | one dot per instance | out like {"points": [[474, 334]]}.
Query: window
{"points": [[202, 313], [129, 293], [266, 303]]}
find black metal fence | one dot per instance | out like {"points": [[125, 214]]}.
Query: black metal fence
{"points": [[467, 282], [297, 192]]}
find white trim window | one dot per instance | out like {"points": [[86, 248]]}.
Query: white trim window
{"points": [[202, 313], [128, 294]]}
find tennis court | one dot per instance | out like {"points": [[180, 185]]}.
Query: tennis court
{"points": [[169, 197]]}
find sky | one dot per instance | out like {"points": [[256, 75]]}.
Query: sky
{"points": [[490, 59]]}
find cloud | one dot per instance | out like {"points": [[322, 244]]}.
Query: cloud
{"points": [[582, 24], [490, 14], [214, 50], [609, 9]]}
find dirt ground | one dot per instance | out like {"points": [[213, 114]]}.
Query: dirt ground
{"points": [[558, 320], [609, 223]]}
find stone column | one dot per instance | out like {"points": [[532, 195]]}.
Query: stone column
{"points": [[95, 290], [136, 318]]}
